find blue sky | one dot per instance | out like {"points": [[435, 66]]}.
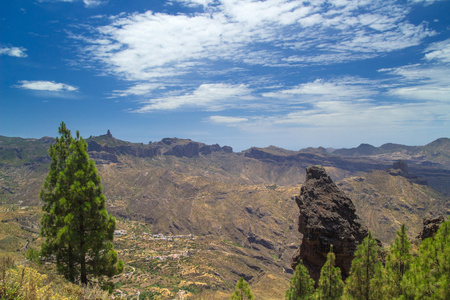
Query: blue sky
{"points": [[241, 73]]}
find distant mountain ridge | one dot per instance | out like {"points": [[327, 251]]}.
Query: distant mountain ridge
{"points": [[277, 165], [437, 151], [16, 148]]}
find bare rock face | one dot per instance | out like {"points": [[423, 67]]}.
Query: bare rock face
{"points": [[327, 217], [430, 226]]}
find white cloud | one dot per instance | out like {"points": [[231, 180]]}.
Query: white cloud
{"points": [[196, 2], [421, 82], [94, 3], [423, 92], [227, 120], [439, 51], [362, 118], [56, 0], [87, 3], [145, 46], [428, 81], [211, 97], [346, 88], [327, 58], [13, 51], [137, 90], [50, 86], [425, 2]]}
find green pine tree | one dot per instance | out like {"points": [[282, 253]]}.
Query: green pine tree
{"points": [[429, 273], [52, 195], [330, 285], [242, 291], [77, 228], [301, 285], [397, 264], [360, 283]]}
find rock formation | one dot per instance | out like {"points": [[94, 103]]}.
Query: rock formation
{"points": [[167, 146], [400, 168], [327, 217], [430, 226]]}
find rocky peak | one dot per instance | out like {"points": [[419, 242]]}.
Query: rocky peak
{"points": [[109, 133], [327, 217], [318, 173]]}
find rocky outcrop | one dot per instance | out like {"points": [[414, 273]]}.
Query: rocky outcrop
{"points": [[430, 226], [327, 217], [400, 168], [167, 146], [103, 157]]}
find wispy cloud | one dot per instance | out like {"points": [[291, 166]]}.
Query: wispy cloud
{"points": [[138, 90], [210, 97], [149, 45], [194, 3], [439, 51], [56, 1], [87, 3], [227, 120], [349, 88], [13, 51], [425, 81], [50, 86], [424, 2], [94, 3], [225, 37], [324, 118]]}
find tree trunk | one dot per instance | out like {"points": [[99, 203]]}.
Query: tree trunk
{"points": [[71, 265]]}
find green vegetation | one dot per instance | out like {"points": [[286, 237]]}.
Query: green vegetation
{"points": [[404, 276], [17, 151], [397, 264], [330, 285], [27, 282], [78, 229], [360, 284], [429, 273], [242, 291], [301, 285]]}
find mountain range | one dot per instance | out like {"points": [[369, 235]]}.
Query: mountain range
{"points": [[239, 206]]}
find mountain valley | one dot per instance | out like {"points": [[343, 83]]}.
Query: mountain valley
{"points": [[195, 217]]}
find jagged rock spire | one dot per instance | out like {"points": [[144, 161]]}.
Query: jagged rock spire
{"points": [[327, 217]]}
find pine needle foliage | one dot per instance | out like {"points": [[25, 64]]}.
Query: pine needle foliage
{"points": [[242, 291], [429, 273], [301, 285], [365, 265], [77, 228], [330, 285], [397, 264]]}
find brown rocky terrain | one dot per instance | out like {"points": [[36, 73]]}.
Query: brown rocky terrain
{"points": [[239, 206], [385, 200]]}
